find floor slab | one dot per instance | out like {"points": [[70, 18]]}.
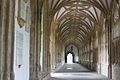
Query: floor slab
{"points": [[75, 72]]}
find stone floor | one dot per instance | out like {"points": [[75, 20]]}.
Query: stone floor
{"points": [[75, 72]]}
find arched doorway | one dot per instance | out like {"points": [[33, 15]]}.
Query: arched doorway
{"points": [[69, 57]]}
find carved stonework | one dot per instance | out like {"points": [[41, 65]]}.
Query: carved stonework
{"points": [[21, 13], [118, 5], [116, 15], [28, 19], [25, 1], [117, 12], [21, 22]]}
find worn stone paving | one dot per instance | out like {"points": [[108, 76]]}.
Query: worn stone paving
{"points": [[66, 68], [75, 72]]}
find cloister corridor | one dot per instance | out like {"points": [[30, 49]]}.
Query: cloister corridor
{"points": [[59, 39]]}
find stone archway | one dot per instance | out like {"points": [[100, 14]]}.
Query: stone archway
{"points": [[73, 56]]}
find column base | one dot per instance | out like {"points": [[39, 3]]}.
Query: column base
{"points": [[8, 76], [35, 79]]}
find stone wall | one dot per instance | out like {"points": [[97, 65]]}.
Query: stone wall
{"points": [[116, 72], [94, 55], [116, 51]]}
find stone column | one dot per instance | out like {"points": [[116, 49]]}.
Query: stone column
{"points": [[46, 35], [7, 10], [31, 53], [108, 24], [1, 4], [32, 43], [35, 39]]}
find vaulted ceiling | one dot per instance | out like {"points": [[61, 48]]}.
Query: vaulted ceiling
{"points": [[77, 19]]}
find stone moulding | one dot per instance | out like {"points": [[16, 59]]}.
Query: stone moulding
{"points": [[21, 22], [25, 1]]}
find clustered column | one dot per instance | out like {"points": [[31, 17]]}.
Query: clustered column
{"points": [[35, 40], [7, 8]]}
